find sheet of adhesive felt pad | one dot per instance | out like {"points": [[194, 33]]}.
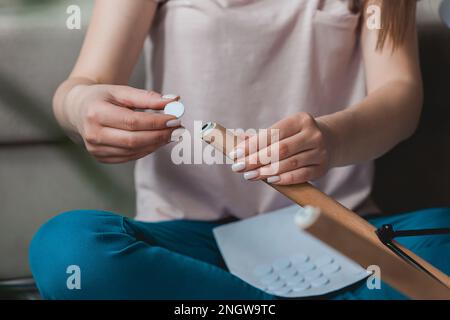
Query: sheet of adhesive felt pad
{"points": [[271, 253]]}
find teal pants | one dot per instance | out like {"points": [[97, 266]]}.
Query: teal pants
{"points": [[120, 258]]}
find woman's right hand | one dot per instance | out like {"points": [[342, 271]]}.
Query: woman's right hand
{"points": [[104, 117]]}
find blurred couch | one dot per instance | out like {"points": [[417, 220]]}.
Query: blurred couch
{"points": [[42, 173]]}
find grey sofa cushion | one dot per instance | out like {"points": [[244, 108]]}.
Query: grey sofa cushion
{"points": [[37, 54], [41, 172], [38, 60], [40, 181]]}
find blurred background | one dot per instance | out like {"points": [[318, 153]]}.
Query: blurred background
{"points": [[42, 173]]}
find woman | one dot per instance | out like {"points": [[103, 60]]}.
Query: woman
{"points": [[340, 95]]}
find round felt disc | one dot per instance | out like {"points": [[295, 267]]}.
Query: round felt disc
{"points": [[175, 109]]}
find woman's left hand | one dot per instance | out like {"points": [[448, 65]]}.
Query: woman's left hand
{"points": [[294, 150]]}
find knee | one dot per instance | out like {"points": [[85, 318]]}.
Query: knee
{"points": [[60, 244], [429, 218], [442, 217], [65, 228]]}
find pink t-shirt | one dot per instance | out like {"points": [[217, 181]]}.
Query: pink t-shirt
{"points": [[248, 64]]}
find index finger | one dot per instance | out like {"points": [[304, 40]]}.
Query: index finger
{"points": [[139, 98], [266, 137], [127, 119]]}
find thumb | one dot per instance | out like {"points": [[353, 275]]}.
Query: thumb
{"points": [[138, 98]]}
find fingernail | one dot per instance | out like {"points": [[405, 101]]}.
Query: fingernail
{"points": [[236, 154], [170, 96], [273, 179], [173, 123], [251, 175], [238, 166]]}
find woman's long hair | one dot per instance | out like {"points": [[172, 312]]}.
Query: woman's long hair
{"points": [[395, 18]]}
